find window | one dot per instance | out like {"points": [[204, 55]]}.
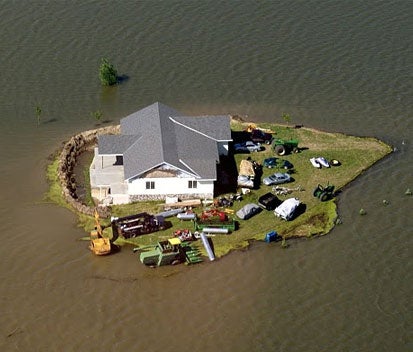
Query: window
{"points": [[150, 185], [192, 184]]}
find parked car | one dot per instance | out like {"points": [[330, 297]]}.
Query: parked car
{"points": [[259, 136], [285, 164], [269, 201], [247, 147], [270, 163], [286, 210], [276, 162], [248, 211], [276, 179]]}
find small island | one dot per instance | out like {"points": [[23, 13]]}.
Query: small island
{"points": [[317, 218]]}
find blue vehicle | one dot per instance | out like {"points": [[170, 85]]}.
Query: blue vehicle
{"points": [[270, 163], [276, 162]]}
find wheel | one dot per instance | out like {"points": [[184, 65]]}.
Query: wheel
{"points": [[280, 150], [295, 150], [316, 192], [324, 196]]}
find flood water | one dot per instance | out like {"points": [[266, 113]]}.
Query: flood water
{"points": [[340, 66]]}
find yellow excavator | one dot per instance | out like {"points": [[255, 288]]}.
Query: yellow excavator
{"points": [[99, 244]]}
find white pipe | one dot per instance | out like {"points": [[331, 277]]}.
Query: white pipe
{"points": [[207, 247]]}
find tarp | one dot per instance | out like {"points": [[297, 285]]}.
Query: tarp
{"points": [[287, 208], [246, 168]]}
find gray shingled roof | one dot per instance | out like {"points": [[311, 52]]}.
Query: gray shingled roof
{"points": [[158, 134]]}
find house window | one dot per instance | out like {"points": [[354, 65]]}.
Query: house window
{"points": [[150, 185], [192, 184]]}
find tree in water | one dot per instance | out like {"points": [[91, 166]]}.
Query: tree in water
{"points": [[97, 115], [107, 73], [38, 111], [286, 117]]}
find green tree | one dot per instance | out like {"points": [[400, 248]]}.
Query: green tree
{"points": [[97, 115], [107, 73], [38, 111], [286, 117]]}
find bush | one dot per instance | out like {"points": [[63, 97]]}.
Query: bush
{"points": [[107, 73]]}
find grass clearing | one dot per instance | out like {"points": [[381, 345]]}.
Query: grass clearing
{"points": [[356, 154]]}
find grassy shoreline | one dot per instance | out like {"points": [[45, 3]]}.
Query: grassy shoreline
{"points": [[356, 155]]}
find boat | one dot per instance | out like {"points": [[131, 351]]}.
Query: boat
{"points": [[315, 163], [322, 161]]}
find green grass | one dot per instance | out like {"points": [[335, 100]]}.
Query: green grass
{"points": [[356, 154]]}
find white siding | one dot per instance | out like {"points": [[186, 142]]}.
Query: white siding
{"points": [[169, 186]]}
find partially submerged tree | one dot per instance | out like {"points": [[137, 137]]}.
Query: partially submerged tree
{"points": [[286, 117], [97, 115], [107, 73], [38, 111]]}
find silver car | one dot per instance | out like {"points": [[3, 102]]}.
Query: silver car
{"points": [[247, 147], [276, 179]]}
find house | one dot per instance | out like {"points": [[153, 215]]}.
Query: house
{"points": [[159, 153]]}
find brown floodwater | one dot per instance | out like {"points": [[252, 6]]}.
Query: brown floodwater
{"points": [[337, 66]]}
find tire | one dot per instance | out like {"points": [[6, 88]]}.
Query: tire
{"points": [[324, 196], [280, 150], [295, 150]]}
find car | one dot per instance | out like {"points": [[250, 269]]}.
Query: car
{"points": [[276, 179], [276, 162], [270, 163], [285, 164], [248, 211], [287, 209], [259, 136], [269, 201], [247, 147]]}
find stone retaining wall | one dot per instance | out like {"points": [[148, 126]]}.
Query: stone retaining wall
{"points": [[162, 197], [67, 161]]}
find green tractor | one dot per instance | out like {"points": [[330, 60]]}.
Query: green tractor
{"points": [[283, 146], [324, 193]]}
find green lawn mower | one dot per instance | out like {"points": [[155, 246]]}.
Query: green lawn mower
{"points": [[324, 193]]}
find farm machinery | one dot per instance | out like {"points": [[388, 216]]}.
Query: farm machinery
{"points": [[138, 224], [284, 146], [99, 244], [214, 219], [324, 193], [170, 252]]}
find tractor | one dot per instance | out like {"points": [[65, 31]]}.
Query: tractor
{"points": [[324, 193], [283, 146]]}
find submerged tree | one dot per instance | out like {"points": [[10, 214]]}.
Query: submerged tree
{"points": [[38, 111], [107, 73], [97, 115], [286, 117]]}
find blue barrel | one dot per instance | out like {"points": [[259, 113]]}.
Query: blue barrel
{"points": [[271, 236]]}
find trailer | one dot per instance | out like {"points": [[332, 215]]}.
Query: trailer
{"points": [[214, 219], [138, 224]]}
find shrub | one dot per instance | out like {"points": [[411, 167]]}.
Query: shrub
{"points": [[107, 73]]}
